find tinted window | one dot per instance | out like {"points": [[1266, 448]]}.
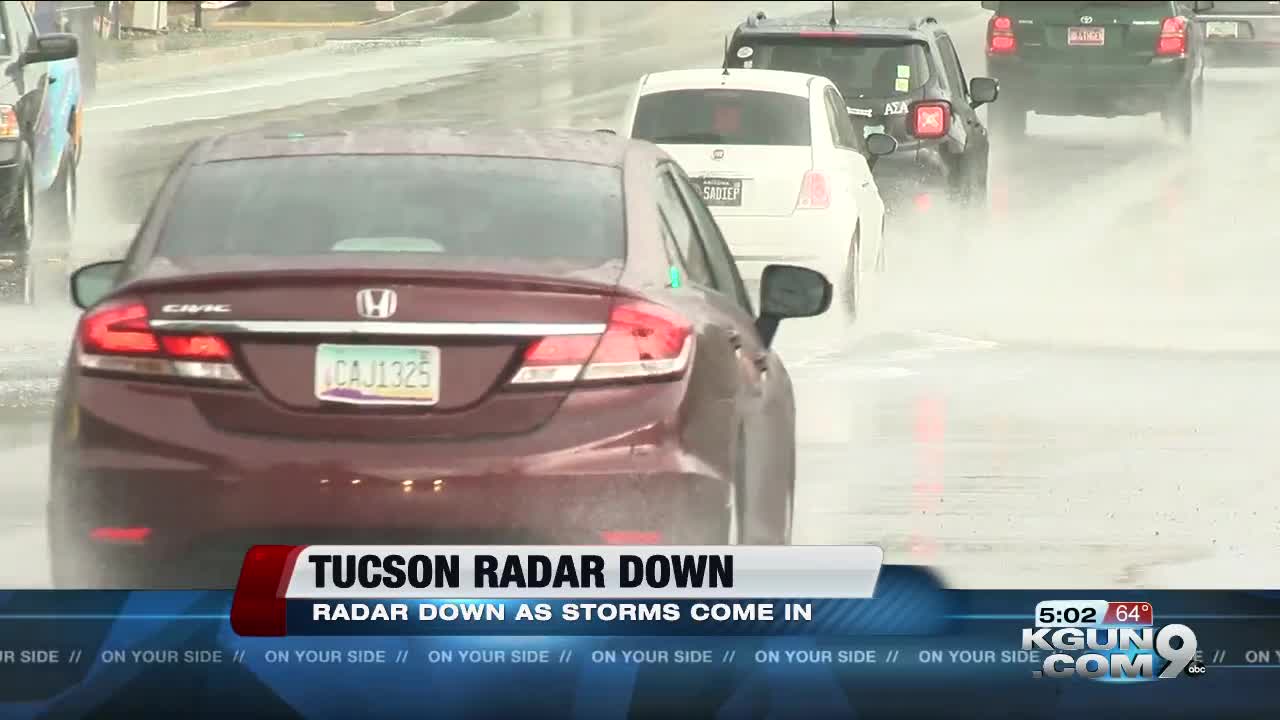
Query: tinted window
{"points": [[451, 206], [682, 231], [859, 68], [951, 63], [1245, 8], [722, 117], [846, 135], [719, 259], [20, 31]]}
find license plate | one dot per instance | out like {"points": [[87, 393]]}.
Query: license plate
{"points": [[1091, 36], [378, 374], [720, 192], [1222, 29]]}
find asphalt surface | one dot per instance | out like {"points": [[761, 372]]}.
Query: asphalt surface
{"points": [[1078, 392]]}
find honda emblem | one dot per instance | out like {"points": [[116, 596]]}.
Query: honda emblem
{"points": [[376, 303]]}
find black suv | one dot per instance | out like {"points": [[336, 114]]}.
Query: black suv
{"points": [[1100, 59], [901, 77]]}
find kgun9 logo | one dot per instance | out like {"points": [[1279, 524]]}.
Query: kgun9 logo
{"points": [[1115, 653]]}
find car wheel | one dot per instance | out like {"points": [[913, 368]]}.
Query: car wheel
{"points": [[850, 293], [19, 282], [1179, 116], [63, 201]]}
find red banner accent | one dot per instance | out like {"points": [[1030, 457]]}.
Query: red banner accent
{"points": [[259, 606]]}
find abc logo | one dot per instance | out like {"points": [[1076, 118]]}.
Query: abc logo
{"points": [[1196, 669]]}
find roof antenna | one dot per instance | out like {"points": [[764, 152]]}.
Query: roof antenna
{"points": [[833, 14], [725, 64]]}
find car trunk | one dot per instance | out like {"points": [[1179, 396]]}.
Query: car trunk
{"points": [[1087, 33], [886, 115], [291, 331], [1248, 21], [745, 179]]}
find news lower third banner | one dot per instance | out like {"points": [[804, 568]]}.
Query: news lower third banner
{"points": [[526, 590], [847, 638]]}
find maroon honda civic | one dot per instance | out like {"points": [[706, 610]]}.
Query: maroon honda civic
{"points": [[409, 335]]}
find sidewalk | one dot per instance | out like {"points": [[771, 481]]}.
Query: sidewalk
{"points": [[256, 31]]}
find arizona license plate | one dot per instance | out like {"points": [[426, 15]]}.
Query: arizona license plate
{"points": [[720, 192], [1222, 29], [378, 374], [1089, 36]]}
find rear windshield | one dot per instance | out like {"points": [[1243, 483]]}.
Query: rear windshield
{"points": [[722, 117], [1031, 9], [859, 68], [1245, 8], [421, 205]]}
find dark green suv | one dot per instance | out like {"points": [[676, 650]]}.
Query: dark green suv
{"points": [[1100, 59]]}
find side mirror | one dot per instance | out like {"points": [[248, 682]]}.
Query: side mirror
{"points": [[93, 282], [993, 6], [1201, 7], [880, 144], [52, 48], [789, 291], [983, 90]]}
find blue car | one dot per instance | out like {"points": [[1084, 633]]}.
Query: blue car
{"points": [[40, 121]]}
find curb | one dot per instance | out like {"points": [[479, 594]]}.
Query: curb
{"points": [[433, 13], [170, 65]]}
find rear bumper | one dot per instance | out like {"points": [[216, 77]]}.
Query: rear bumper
{"points": [[811, 238], [1243, 53], [1101, 90], [906, 176], [610, 460]]}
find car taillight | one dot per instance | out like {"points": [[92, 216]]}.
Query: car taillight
{"points": [[641, 341], [1000, 37], [815, 192], [1173, 37], [930, 120], [117, 337]]}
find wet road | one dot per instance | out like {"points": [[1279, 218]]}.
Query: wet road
{"points": [[1078, 393]]}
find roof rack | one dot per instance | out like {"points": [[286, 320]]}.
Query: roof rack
{"points": [[753, 20]]}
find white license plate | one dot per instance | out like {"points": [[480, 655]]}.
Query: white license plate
{"points": [[720, 192], [1088, 36], [378, 374], [1222, 29]]}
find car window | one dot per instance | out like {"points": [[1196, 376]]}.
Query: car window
{"points": [[847, 136], [859, 67], [1256, 7], [719, 259], [679, 222], [22, 33], [951, 65], [420, 206], [722, 117]]}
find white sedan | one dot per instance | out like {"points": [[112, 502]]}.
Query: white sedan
{"points": [[778, 163]]}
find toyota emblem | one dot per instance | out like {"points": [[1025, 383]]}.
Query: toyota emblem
{"points": [[1087, 19], [717, 155]]}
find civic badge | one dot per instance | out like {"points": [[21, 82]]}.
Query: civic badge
{"points": [[1086, 19], [717, 154]]}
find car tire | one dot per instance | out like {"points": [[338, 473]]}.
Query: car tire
{"points": [[62, 202], [19, 283], [1179, 116], [851, 285], [1008, 121]]}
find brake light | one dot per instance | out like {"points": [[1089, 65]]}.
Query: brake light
{"points": [[1000, 37], [117, 337], [1173, 37], [930, 120], [641, 341], [815, 192], [124, 536]]}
